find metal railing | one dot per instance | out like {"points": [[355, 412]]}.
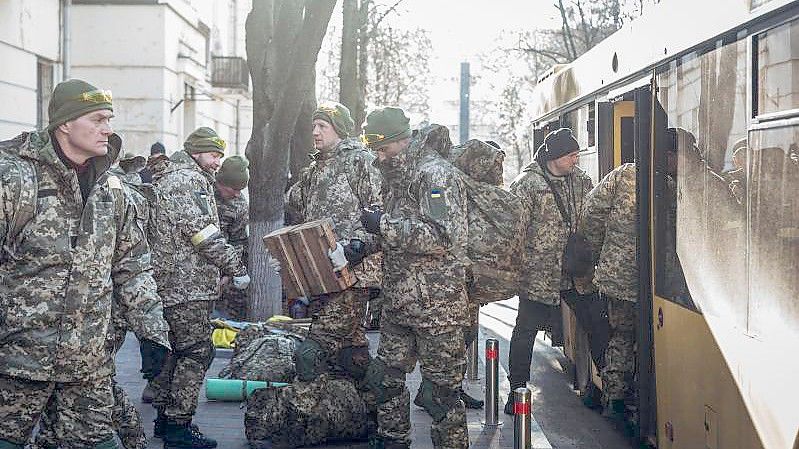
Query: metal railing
{"points": [[230, 71]]}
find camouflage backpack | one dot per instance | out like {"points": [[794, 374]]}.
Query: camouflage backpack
{"points": [[25, 202], [497, 218]]}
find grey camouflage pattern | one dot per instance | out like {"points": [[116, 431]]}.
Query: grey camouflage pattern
{"points": [[618, 372], [184, 207], [547, 232], [127, 422], [337, 319], [424, 238], [306, 413], [234, 218], [609, 224], [261, 355], [337, 185], [56, 290], [442, 358], [177, 387], [82, 416]]}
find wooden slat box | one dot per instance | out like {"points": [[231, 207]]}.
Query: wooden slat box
{"points": [[305, 267]]}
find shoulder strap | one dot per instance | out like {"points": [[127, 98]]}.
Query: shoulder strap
{"points": [[25, 204], [558, 199]]}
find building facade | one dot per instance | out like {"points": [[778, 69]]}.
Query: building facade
{"points": [[172, 65]]}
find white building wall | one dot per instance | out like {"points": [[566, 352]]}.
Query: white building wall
{"points": [[156, 52], [29, 30]]}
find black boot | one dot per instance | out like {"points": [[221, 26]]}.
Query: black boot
{"points": [[159, 423], [509, 403], [185, 436], [471, 402]]}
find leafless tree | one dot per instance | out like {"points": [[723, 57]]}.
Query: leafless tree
{"points": [[283, 40]]}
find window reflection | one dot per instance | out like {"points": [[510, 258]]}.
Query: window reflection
{"points": [[778, 69], [700, 222]]}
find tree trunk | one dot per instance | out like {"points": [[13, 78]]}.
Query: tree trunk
{"points": [[302, 140], [359, 113], [348, 64], [283, 40]]}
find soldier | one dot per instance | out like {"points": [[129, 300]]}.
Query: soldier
{"points": [[554, 188], [423, 235], [234, 216], [81, 244], [126, 418], [339, 182], [189, 252], [609, 224]]}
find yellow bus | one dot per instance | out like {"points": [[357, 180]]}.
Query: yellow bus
{"points": [[716, 84]]}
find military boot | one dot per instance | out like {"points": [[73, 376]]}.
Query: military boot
{"points": [[387, 443], [185, 436], [147, 394], [159, 423], [471, 402], [508, 410]]}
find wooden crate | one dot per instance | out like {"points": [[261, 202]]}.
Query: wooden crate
{"points": [[305, 267]]}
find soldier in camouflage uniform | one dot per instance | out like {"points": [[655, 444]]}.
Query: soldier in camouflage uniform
{"points": [[189, 252], [423, 234], [81, 244], [234, 216], [609, 224], [126, 418], [555, 167], [339, 182]]}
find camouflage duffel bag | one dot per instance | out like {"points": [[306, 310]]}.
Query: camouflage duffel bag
{"points": [[261, 355], [325, 410]]}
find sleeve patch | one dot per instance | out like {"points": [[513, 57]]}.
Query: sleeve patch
{"points": [[437, 202]]}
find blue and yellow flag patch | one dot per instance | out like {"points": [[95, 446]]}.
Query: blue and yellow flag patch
{"points": [[437, 204]]}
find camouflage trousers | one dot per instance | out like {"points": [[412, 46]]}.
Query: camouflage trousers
{"points": [[177, 387], [126, 418], [233, 302], [617, 375], [442, 358], [337, 320], [81, 411]]}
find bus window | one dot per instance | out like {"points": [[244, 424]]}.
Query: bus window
{"points": [[778, 69], [774, 232], [701, 239]]}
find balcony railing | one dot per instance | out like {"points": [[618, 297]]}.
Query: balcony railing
{"points": [[230, 72]]}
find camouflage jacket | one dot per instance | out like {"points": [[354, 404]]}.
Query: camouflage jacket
{"points": [[338, 185], [57, 287], [547, 232], [424, 239], [609, 224], [189, 249], [234, 217]]}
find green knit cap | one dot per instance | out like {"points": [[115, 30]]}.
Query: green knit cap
{"points": [[74, 98], [204, 140], [234, 173], [385, 125], [337, 115]]}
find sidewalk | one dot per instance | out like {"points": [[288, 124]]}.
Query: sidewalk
{"points": [[224, 421]]}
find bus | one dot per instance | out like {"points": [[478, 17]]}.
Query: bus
{"points": [[704, 97]]}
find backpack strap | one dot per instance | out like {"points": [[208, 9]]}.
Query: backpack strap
{"points": [[558, 200], [24, 204]]}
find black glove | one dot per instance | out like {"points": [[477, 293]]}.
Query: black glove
{"points": [[354, 252], [370, 219], [153, 357]]}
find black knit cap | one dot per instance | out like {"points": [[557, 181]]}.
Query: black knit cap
{"points": [[557, 144]]}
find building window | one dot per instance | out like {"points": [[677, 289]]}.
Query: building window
{"points": [[44, 90]]}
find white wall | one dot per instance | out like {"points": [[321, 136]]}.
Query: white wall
{"points": [[29, 29], [155, 52]]}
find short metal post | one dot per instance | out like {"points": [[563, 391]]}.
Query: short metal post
{"points": [[471, 362], [521, 418], [492, 383]]}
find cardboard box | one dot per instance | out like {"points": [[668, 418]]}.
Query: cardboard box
{"points": [[306, 269]]}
